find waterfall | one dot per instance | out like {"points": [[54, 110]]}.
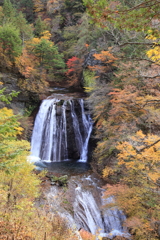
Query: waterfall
{"points": [[90, 215], [87, 132], [61, 131], [86, 211]]}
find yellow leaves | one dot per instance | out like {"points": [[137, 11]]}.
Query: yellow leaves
{"points": [[9, 125], [30, 45], [53, 5], [154, 54], [151, 139], [152, 35], [46, 35], [16, 174], [36, 40], [141, 155], [18, 130], [154, 176], [28, 65], [140, 134], [38, 5], [107, 171], [89, 89], [126, 150], [4, 113], [139, 204]]}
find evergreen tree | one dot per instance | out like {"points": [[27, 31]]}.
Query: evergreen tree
{"points": [[9, 12], [10, 42], [48, 55], [26, 31], [40, 27]]}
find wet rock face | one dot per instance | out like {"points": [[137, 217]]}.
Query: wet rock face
{"points": [[72, 148], [73, 152], [10, 82], [90, 59]]}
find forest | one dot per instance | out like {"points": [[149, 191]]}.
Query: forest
{"points": [[111, 51]]}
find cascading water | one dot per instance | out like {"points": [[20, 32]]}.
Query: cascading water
{"points": [[90, 215], [61, 132], [51, 140]]}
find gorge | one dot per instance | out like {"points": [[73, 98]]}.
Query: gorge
{"points": [[60, 140], [106, 147]]}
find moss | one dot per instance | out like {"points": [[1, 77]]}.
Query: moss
{"points": [[60, 181]]}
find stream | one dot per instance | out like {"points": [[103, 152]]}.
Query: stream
{"points": [[60, 143]]}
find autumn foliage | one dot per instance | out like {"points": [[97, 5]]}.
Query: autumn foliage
{"points": [[126, 114], [124, 91], [138, 191], [35, 58], [74, 72]]}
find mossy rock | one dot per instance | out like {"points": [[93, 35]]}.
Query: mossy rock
{"points": [[60, 181]]}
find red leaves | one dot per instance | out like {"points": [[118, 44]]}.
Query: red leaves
{"points": [[72, 62]]}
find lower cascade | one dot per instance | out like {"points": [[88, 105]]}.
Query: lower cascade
{"points": [[61, 133], [90, 215]]}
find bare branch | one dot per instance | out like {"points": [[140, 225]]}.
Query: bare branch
{"points": [[138, 43], [141, 5], [151, 145]]}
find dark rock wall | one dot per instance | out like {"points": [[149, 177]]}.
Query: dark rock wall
{"points": [[10, 83]]}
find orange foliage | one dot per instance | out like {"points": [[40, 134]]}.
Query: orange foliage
{"points": [[5, 61], [140, 206], [107, 60], [105, 56], [124, 105], [138, 191], [26, 63], [8, 232], [34, 78], [86, 235], [86, 45]]}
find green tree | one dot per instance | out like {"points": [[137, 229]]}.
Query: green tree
{"points": [[7, 97], [10, 44], [48, 55], [9, 12], [40, 27], [17, 19], [25, 29]]}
